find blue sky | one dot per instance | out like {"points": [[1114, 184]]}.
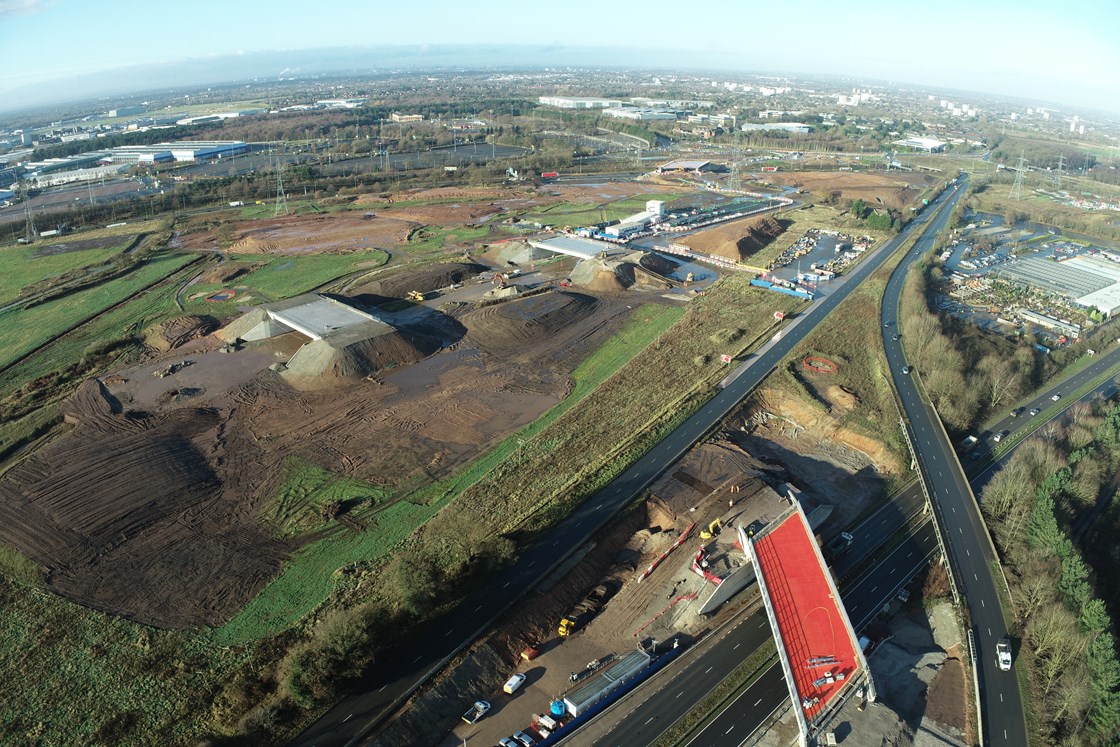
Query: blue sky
{"points": [[1065, 52]]}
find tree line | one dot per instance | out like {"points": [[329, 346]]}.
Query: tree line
{"points": [[1039, 508]]}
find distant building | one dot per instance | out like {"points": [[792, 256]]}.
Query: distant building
{"points": [[928, 144], [126, 111], [643, 115], [398, 117], [578, 102], [686, 165], [794, 127]]}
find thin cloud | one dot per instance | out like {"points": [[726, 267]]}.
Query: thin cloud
{"points": [[17, 8]]}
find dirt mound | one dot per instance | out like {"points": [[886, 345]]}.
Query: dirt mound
{"points": [[322, 363], [736, 240], [177, 331], [151, 538], [224, 273], [424, 279], [599, 275], [657, 263], [842, 398], [510, 325]]}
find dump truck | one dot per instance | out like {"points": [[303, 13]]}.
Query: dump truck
{"points": [[587, 608], [416, 296]]}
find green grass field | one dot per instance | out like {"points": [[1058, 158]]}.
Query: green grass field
{"points": [[307, 488], [434, 238], [22, 267], [22, 330], [281, 277]]}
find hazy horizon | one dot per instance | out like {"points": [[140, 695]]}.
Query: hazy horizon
{"points": [[991, 50]]}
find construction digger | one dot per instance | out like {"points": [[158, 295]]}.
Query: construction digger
{"points": [[416, 296], [712, 530]]}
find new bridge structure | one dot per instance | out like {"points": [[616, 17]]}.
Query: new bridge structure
{"points": [[817, 647]]}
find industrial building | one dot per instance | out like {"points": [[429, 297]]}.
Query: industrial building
{"points": [[695, 166], [191, 150], [398, 117], [794, 127], [578, 102], [1050, 323], [1086, 281], [654, 212], [642, 115], [927, 144]]}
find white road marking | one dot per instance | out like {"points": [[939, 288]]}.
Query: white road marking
{"points": [[707, 670], [758, 701], [729, 730], [649, 719], [347, 718], [737, 645]]}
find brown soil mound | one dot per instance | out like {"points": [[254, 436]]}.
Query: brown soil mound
{"points": [[177, 331], [424, 279], [736, 240], [511, 325], [224, 273], [896, 190], [321, 363], [656, 263], [152, 537]]}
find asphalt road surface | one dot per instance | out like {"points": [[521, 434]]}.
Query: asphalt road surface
{"points": [[396, 675], [655, 712], [688, 685], [970, 552]]}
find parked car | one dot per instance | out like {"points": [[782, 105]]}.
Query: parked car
{"points": [[524, 739], [507, 742], [514, 683]]}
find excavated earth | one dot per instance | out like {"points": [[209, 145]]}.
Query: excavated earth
{"points": [[152, 506]]}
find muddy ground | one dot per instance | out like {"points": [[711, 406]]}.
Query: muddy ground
{"points": [[896, 189], [151, 506], [737, 240]]}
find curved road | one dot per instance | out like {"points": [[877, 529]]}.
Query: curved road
{"points": [[396, 676], [969, 549]]}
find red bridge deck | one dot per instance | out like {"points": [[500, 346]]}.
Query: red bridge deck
{"points": [[813, 624]]}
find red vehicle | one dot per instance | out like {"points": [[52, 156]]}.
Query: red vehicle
{"points": [[549, 174]]}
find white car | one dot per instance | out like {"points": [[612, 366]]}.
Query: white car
{"points": [[514, 683], [1056, 397]]}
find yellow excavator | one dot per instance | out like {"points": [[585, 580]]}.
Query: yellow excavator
{"points": [[416, 296]]}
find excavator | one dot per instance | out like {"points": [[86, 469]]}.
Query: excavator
{"points": [[416, 296]]}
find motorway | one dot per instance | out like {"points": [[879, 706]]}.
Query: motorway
{"points": [[657, 711], [400, 672], [970, 552]]}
